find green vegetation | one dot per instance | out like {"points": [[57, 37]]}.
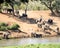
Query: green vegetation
{"points": [[35, 5], [13, 27], [4, 26], [35, 46], [52, 5]]}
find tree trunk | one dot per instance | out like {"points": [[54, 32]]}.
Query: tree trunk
{"points": [[13, 10], [0, 8], [52, 11], [25, 11], [57, 11], [26, 8], [12, 6]]}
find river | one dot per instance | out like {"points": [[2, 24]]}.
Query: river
{"points": [[22, 41]]}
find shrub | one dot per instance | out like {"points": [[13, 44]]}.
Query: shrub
{"points": [[3, 24], [22, 6], [2, 28], [13, 27], [33, 5]]}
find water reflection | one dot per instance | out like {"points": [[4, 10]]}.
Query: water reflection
{"points": [[22, 41]]}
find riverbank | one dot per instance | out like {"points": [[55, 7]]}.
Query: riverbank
{"points": [[35, 46], [27, 27], [19, 35]]}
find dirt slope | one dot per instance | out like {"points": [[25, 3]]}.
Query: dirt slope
{"points": [[31, 14]]}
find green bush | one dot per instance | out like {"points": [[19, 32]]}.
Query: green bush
{"points": [[13, 27], [35, 5], [2, 28], [22, 6], [3, 24]]}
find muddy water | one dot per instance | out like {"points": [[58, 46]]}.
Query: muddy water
{"points": [[22, 41]]}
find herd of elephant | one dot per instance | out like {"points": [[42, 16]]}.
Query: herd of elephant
{"points": [[46, 25]]}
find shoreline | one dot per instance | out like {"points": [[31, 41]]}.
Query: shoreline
{"points": [[28, 37], [34, 46]]}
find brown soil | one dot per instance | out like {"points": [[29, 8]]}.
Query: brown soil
{"points": [[25, 27]]}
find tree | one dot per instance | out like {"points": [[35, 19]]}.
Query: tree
{"points": [[57, 6], [49, 4], [26, 3], [1, 1], [11, 3]]}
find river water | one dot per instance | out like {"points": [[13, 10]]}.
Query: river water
{"points": [[22, 41]]}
